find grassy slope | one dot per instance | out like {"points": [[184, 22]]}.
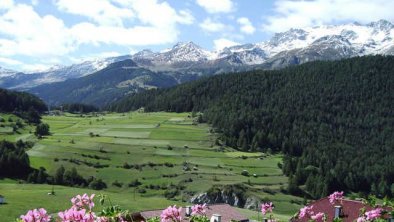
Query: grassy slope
{"points": [[136, 138]]}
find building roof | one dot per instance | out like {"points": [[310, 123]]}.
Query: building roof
{"points": [[227, 212], [350, 209]]}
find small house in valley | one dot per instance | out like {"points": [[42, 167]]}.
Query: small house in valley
{"points": [[215, 212]]}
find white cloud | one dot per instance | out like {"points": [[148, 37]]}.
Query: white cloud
{"points": [[216, 6], [9, 61], [209, 25], [6, 4], [32, 34], [223, 43], [158, 25], [102, 12], [299, 14], [123, 23], [246, 26], [31, 68]]}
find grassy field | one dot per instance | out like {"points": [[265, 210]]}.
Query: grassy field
{"points": [[151, 140]]}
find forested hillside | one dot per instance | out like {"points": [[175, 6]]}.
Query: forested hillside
{"points": [[22, 104], [333, 120], [11, 101]]}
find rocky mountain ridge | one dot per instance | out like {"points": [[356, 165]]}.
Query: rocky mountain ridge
{"points": [[188, 61]]}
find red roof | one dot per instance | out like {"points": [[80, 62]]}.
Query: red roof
{"points": [[350, 209], [227, 212]]}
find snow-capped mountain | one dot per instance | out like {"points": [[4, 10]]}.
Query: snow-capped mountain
{"points": [[57, 73], [188, 61], [179, 53], [313, 43], [6, 72]]}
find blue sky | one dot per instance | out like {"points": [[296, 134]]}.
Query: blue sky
{"points": [[37, 34]]}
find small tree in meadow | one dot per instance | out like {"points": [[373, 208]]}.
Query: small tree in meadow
{"points": [[42, 129]]}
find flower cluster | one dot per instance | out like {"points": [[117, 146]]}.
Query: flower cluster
{"points": [[371, 215], [171, 214], [80, 211], [267, 207], [83, 201], [77, 215], [36, 215], [199, 209], [334, 197], [306, 212], [319, 217]]}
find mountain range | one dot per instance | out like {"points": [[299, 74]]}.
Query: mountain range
{"points": [[188, 61]]}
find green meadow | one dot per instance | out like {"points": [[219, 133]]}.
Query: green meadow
{"points": [[167, 147]]}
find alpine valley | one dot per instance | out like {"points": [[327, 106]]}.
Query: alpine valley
{"points": [[102, 81]]}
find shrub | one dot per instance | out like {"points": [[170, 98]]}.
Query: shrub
{"points": [[42, 129], [97, 184], [117, 184], [245, 173], [134, 183]]}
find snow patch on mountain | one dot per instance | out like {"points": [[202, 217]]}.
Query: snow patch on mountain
{"points": [[294, 46], [6, 72]]}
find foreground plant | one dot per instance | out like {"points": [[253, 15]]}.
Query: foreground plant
{"points": [[308, 213], [379, 213], [198, 213], [80, 211], [171, 214], [36, 215], [112, 213], [335, 197]]}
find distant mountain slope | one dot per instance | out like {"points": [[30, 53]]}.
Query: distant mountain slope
{"points": [[104, 86], [188, 61], [333, 120], [23, 81]]}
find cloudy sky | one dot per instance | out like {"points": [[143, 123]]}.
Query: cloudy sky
{"points": [[36, 34]]}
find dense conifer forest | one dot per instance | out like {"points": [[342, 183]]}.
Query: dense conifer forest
{"points": [[25, 105], [77, 108], [11, 101], [334, 121]]}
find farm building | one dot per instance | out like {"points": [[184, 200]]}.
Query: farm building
{"points": [[347, 210], [215, 212], [2, 199]]}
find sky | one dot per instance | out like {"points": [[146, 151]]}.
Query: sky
{"points": [[38, 34]]}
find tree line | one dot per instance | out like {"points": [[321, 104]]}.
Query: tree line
{"points": [[25, 105], [334, 121]]}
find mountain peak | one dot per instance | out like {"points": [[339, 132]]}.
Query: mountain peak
{"points": [[381, 25], [189, 44], [289, 35], [6, 72]]}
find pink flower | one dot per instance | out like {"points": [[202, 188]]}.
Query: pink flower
{"points": [[77, 215], [334, 197], [319, 217], [36, 215], [102, 219], [267, 207], [373, 214], [361, 219], [199, 209], [83, 201], [171, 214], [306, 212]]}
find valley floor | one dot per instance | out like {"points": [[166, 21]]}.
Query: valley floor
{"points": [[162, 144]]}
